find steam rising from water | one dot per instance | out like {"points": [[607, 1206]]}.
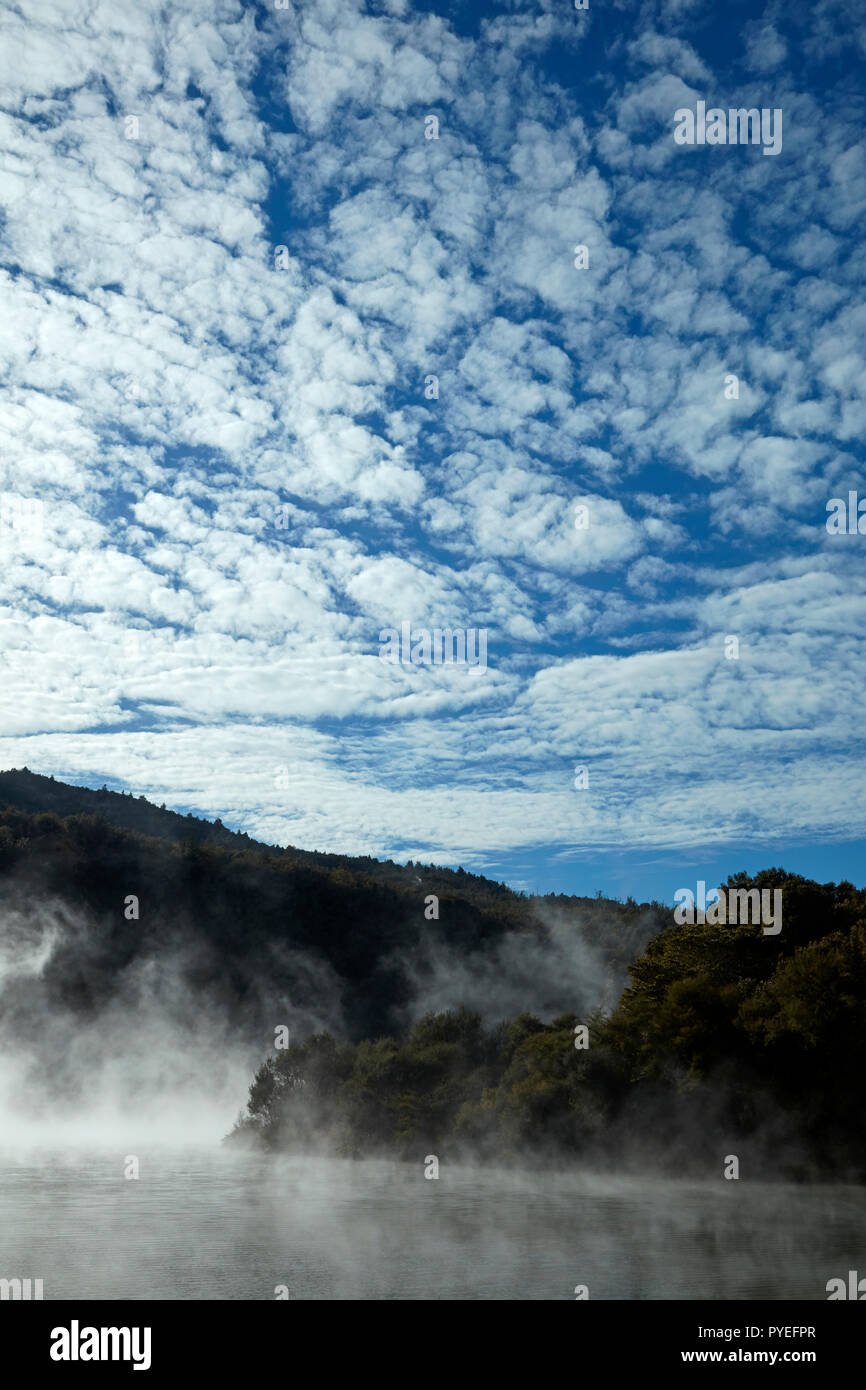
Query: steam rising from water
{"points": [[150, 1068], [229, 1226], [150, 1061], [551, 971], [92, 1051]]}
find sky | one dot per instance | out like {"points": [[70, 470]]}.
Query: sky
{"points": [[322, 319]]}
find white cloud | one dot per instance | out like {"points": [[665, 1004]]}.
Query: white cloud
{"points": [[170, 389]]}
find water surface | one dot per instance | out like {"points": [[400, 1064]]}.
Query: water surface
{"points": [[225, 1225]]}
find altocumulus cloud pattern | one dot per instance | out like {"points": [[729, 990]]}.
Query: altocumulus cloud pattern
{"points": [[324, 318]]}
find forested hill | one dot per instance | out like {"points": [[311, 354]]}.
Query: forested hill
{"points": [[31, 792], [132, 961], [728, 1046], [267, 935]]}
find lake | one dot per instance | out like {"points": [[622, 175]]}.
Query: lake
{"points": [[218, 1224]]}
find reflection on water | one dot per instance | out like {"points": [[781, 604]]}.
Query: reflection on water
{"points": [[220, 1225]]}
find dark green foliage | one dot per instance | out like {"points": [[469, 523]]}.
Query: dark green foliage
{"points": [[723, 1034], [722, 1030], [448, 1083], [30, 793], [244, 926]]}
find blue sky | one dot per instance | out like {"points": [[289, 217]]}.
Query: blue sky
{"points": [[169, 388]]}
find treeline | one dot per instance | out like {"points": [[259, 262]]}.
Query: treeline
{"points": [[726, 1041], [243, 931], [33, 793]]}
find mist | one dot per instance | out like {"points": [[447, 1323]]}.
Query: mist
{"points": [[156, 1059], [158, 1046], [563, 965]]}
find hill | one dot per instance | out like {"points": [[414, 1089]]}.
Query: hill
{"points": [[35, 793], [121, 920], [145, 954]]}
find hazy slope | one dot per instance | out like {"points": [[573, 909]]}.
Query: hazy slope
{"points": [[127, 960]]}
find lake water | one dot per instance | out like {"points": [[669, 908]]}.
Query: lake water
{"points": [[227, 1225]]}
